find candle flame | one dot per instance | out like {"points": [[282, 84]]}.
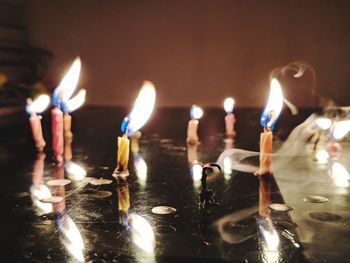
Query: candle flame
{"points": [[229, 103], [340, 129], [274, 105], [324, 123], [196, 112], [68, 84], [142, 110], [38, 105], [75, 102]]}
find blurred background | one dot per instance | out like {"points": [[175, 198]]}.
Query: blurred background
{"points": [[195, 51]]}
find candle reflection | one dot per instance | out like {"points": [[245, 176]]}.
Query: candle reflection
{"points": [[267, 232], [195, 165], [123, 200], [38, 189], [70, 235], [59, 190]]}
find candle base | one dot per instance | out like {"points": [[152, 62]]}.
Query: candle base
{"points": [[120, 174]]}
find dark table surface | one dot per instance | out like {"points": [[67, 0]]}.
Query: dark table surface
{"points": [[114, 222]]}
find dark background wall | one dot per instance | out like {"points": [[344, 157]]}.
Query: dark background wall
{"points": [[196, 51]]}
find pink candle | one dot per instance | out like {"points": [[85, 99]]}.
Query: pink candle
{"points": [[57, 134], [35, 124], [33, 108]]}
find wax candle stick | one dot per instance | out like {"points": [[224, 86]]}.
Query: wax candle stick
{"points": [[230, 118], [123, 155], [34, 108], [68, 155], [57, 133], [67, 126], [268, 120], [192, 136], [141, 112]]}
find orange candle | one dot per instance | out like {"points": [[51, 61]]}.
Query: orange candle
{"points": [[268, 120], [67, 126]]}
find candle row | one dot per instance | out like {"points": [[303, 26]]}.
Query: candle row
{"points": [[64, 104], [61, 119]]}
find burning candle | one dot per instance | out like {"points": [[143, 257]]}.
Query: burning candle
{"points": [[61, 96], [268, 120], [196, 113], [141, 112], [70, 106], [33, 108], [230, 117]]}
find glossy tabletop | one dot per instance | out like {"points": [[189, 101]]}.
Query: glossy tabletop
{"points": [[114, 222]]}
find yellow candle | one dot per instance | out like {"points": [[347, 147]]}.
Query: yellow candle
{"points": [[123, 154]]}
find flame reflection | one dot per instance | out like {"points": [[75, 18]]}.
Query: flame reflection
{"points": [[142, 233]]}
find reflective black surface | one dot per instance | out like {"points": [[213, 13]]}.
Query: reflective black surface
{"points": [[114, 222]]}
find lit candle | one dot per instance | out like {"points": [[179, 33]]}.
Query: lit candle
{"points": [[33, 108], [61, 96], [141, 112], [70, 106], [195, 113], [268, 120], [230, 117]]}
